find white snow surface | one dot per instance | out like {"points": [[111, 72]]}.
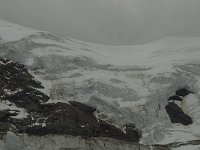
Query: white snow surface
{"points": [[127, 84]]}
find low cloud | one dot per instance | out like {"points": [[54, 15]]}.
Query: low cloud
{"points": [[107, 21]]}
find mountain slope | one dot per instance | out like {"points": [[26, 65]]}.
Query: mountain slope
{"points": [[126, 84]]}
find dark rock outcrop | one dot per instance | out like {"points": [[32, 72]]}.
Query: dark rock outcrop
{"points": [[29, 98], [183, 92], [18, 86], [62, 118], [177, 115], [132, 132], [175, 97], [85, 108], [15, 76]]}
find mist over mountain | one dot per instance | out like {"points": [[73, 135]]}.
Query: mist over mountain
{"points": [[112, 22]]}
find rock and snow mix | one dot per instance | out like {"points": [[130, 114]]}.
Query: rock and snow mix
{"points": [[127, 84]]}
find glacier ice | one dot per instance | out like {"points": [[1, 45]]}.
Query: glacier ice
{"points": [[12, 142]]}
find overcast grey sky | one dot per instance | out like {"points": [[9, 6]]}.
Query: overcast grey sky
{"points": [[107, 21]]}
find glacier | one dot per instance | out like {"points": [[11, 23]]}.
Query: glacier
{"points": [[127, 84]]}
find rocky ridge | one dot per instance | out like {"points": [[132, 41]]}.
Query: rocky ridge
{"points": [[19, 88]]}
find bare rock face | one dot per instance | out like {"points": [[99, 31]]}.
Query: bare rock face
{"points": [[19, 86], [183, 92], [66, 119], [132, 132], [20, 89], [175, 97], [177, 115]]}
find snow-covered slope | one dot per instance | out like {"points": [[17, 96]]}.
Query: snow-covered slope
{"points": [[127, 84]]}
